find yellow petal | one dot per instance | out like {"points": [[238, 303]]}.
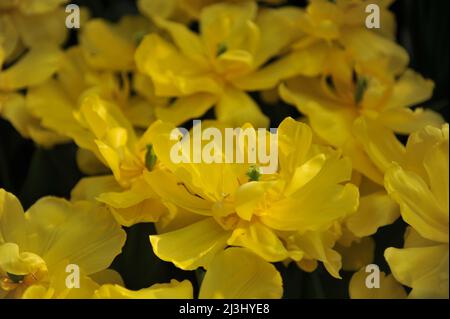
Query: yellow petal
{"points": [[334, 170], [35, 67], [379, 142], [261, 240], [294, 143], [147, 211], [38, 6], [90, 188], [57, 287], [71, 232], [367, 45], [237, 273], [304, 173], [308, 265], [233, 63], [322, 19], [436, 164], [49, 31], [249, 196], [105, 48], [418, 205], [406, 121], [38, 292], [315, 213], [89, 164], [389, 287], [236, 108], [158, 8], [331, 121], [138, 192], [106, 121], [411, 89], [226, 23], [187, 41], [185, 108], [173, 73], [414, 240], [107, 276], [15, 110], [319, 246], [375, 210], [307, 62], [358, 255], [139, 112], [143, 85], [171, 190], [2, 55], [135, 205], [50, 104], [209, 181], [175, 219], [420, 144], [9, 37], [424, 269], [277, 30], [13, 261], [193, 246], [173, 290], [361, 162], [12, 219]]}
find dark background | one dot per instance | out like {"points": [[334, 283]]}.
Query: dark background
{"points": [[31, 172]]}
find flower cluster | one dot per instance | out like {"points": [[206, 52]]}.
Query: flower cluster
{"points": [[122, 89]]}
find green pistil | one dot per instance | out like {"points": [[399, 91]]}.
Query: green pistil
{"points": [[221, 49], [17, 279], [253, 174], [361, 87], [150, 157], [139, 36]]}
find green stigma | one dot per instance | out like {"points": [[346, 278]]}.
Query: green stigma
{"points": [[139, 36], [253, 174], [150, 157], [361, 87], [17, 279], [221, 49]]}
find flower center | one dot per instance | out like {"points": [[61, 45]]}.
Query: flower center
{"points": [[26, 270]]}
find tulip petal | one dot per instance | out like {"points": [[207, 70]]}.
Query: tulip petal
{"points": [[237, 273], [193, 246]]}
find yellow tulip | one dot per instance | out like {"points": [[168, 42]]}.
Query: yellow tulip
{"points": [[342, 105], [110, 286], [181, 10], [52, 233], [99, 64], [327, 25], [220, 64], [420, 185], [104, 130], [276, 217], [34, 68], [18, 21]]}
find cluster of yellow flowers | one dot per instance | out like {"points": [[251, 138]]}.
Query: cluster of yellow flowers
{"points": [[125, 86]]}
